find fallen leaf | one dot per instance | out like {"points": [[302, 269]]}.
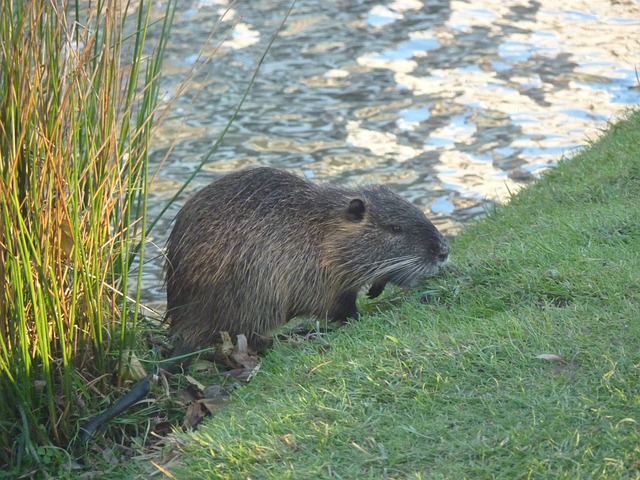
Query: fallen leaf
{"points": [[202, 366], [227, 345], [190, 394], [242, 374], [195, 383], [242, 345], [195, 413], [212, 405], [241, 360], [215, 392], [551, 357], [133, 370], [245, 360], [67, 242], [163, 428]]}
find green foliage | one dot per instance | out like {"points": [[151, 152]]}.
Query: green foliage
{"points": [[78, 93]]}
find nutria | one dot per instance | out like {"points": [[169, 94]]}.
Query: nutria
{"points": [[258, 247]]}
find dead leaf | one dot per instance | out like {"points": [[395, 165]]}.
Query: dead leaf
{"points": [[243, 374], [67, 242], [202, 366], [551, 357], [190, 394], [242, 345], [195, 413], [215, 392], [163, 428], [245, 360], [133, 369], [214, 401], [236, 357], [195, 383], [227, 345], [213, 406]]}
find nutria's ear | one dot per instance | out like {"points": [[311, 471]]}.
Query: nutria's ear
{"points": [[355, 211]]}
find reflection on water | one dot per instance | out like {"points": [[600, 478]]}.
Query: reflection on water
{"points": [[452, 103]]}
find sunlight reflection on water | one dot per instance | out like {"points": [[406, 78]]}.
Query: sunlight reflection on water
{"points": [[452, 103]]}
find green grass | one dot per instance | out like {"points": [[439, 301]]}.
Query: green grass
{"points": [[454, 388]]}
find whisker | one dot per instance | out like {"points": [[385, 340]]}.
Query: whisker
{"points": [[400, 269]]}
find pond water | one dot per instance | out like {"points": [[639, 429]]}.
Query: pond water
{"points": [[454, 104]]}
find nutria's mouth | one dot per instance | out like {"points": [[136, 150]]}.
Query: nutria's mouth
{"points": [[426, 273], [407, 272]]}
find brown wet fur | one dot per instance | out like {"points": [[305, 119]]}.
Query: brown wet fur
{"points": [[258, 247]]}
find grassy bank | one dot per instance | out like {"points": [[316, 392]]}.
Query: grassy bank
{"points": [[527, 365]]}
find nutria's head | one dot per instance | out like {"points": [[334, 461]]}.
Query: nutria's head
{"points": [[388, 240]]}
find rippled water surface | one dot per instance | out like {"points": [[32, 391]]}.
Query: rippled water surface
{"points": [[451, 103]]}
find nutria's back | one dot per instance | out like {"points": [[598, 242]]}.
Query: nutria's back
{"points": [[258, 247]]}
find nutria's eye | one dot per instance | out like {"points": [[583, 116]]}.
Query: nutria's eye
{"points": [[395, 228]]}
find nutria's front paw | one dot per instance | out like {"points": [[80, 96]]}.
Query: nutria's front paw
{"points": [[376, 289]]}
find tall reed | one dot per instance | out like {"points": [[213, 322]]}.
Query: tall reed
{"points": [[78, 93]]}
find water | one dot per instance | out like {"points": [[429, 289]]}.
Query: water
{"points": [[453, 104]]}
